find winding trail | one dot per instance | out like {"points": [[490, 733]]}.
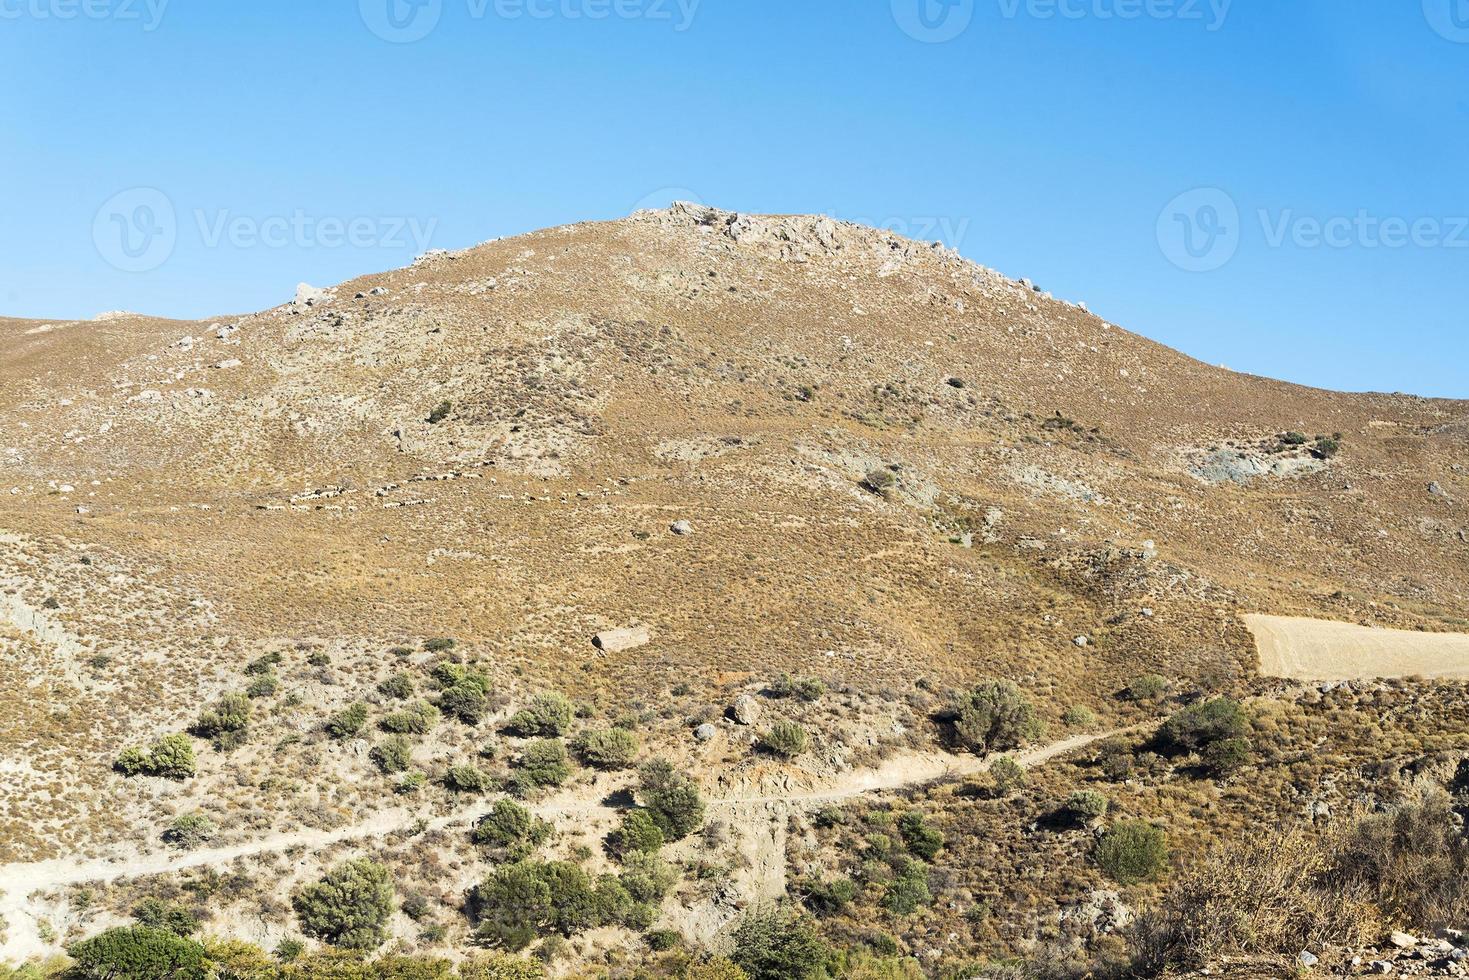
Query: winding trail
{"points": [[20, 882]]}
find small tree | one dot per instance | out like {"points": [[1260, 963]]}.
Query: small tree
{"points": [[1007, 775], [348, 722], [547, 714], [466, 779], [607, 748], [399, 687], [418, 718], [1086, 805], [995, 716], [921, 840], [638, 832], [139, 953], [349, 907], [511, 826], [1194, 727], [543, 763], [672, 798], [393, 754], [1132, 851], [780, 944], [171, 757], [1227, 756]]}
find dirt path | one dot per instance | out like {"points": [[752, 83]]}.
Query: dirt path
{"points": [[19, 882], [1322, 650]]}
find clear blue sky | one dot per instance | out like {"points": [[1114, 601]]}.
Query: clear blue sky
{"points": [[1050, 139]]}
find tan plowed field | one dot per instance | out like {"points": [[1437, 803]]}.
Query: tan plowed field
{"points": [[1321, 650]]}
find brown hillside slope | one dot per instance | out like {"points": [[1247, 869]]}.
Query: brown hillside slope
{"points": [[897, 464]]}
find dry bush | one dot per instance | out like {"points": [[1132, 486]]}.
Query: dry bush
{"points": [[1263, 896]]}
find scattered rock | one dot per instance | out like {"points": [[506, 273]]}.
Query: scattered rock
{"points": [[616, 641], [1082, 641], [745, 710], [1306, 958], [309, 295], [1402, 940], [233, 362], [705, 732], [1437, 491], [682, 527]]}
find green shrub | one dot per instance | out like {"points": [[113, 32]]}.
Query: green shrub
{"points": [[547, 714], [995, 716], [827, 898], [467, 779], [521, 902], [399, 687], [229, 715], [155, 913], [543, 763], [1227, 755], [171, 757], [417, 719], [266, 664], [1148, 687], [464, 692], [263, 686], [638, 833], [138, 953], [497, 967], [921, 840], [909, 891], [1007, 776], [780, 944], [647, 877], [348, 722], [802, 688], [1086, 805], [1294, 439], [1079, 716], [393, 754], [672, 799], [411, 783], [785, 739], [441, 644], [1132, 851], [1194, 727], [441, 411], [189, 830], [511, 826], [662, 940], [606, 748], [349, 907]]}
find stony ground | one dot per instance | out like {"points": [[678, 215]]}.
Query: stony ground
{"points": [[900, 472]]}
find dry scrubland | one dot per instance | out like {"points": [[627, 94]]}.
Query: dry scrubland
{"points": [[782, 446]]}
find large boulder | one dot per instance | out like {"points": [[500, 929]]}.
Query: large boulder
{"points": [[745, 710]]}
